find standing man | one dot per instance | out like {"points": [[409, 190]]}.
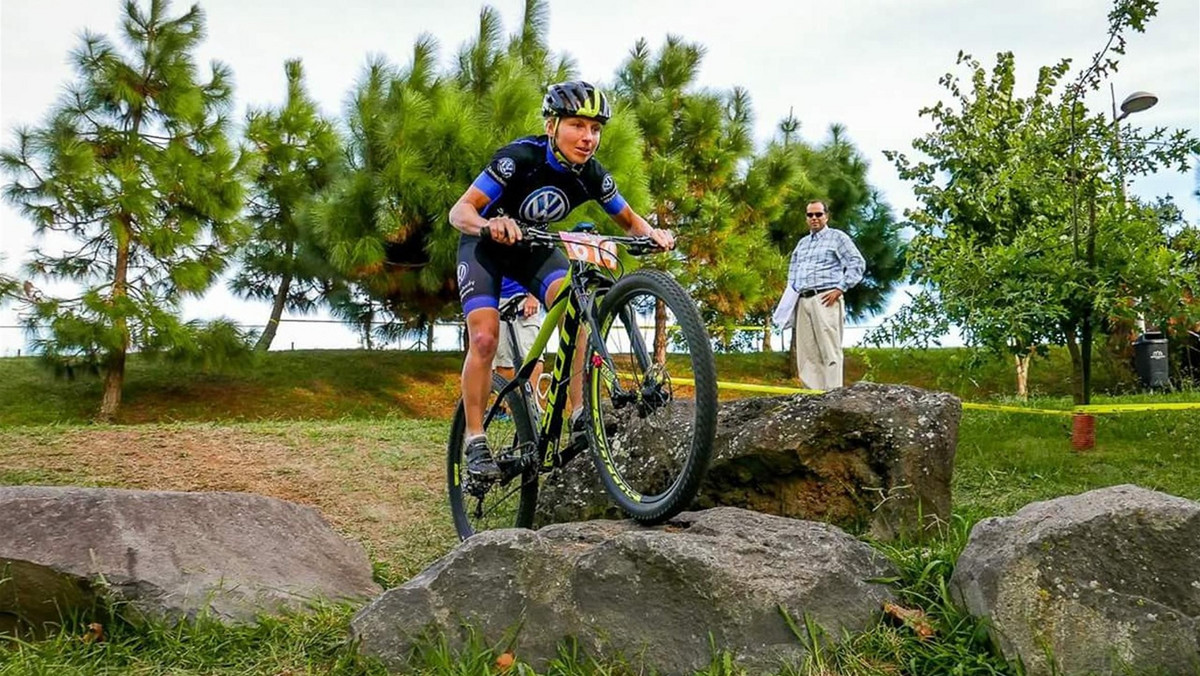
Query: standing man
{"points": [[824, 265]]}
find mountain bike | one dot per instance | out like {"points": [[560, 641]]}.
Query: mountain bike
{"points": [[649, 427]]}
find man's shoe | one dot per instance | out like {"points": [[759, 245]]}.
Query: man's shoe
{"points": [[479, 460]]}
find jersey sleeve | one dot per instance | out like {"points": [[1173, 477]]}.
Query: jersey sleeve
{"points": [[496, 175], [603, 189]]}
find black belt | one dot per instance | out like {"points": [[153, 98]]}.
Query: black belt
{"points": [[809, 293]]}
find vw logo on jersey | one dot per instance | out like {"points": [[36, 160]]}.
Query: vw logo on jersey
{"points": [[462, 273], [505, 167], [544, 205], [608, 184]]}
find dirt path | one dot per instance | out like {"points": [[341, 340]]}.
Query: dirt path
{"points": [[380, 483]]}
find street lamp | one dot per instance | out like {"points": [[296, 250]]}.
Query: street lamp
{"points": [[1134, 103]]}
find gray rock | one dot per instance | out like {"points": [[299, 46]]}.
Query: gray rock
{"points": [[651, 595], [869, 457], [1102, 582], [168, 554]]}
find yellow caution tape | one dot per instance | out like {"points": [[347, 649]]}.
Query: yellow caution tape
{"points": [[1131, 408], [1015, 409], [1092, 408], [750, 387]]}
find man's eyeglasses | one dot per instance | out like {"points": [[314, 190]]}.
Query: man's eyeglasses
{"points": [[814, 214]]}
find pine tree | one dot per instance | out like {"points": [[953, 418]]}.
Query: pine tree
{"points": [[296, 155], [705, 182], [135, 166]]}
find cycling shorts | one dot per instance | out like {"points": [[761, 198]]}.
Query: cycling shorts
{"points": [[482, 265]]}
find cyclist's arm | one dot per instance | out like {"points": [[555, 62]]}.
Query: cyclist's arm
{"points": [[635, 225], [464, 216]]}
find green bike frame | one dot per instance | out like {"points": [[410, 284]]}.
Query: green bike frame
{"points": [[581, 290]]}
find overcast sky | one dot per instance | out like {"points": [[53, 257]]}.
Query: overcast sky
{"points": [[867, 64]]}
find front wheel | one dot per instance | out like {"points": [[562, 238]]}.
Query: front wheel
{"points": [[653, 414], [509, 503]]}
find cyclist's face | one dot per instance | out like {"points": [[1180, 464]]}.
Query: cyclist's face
{"points": [[576, 137]]}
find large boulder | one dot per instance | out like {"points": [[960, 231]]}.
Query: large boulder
{"points": [[869, 457], [167, 554], [652, 595], [1100, 583]]}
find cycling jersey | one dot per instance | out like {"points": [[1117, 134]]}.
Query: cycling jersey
{"points": [[526, 182]]}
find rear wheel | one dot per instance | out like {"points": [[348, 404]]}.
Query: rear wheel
{"points": [[653, 419], [509, 503]]}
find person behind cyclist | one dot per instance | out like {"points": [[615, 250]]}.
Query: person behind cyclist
{"points": [[537, 180], [525, 327]]}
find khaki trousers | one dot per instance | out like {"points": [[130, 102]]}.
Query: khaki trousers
{"points": [[819, 342]]}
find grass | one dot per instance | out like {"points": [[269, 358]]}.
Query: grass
{"points": [[308, 433], [310, 643], [300, 385], [358, 384]]}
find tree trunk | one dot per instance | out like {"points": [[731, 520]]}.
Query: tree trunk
{"points": [[268, 334], [114, 380], [114, 376], [660, 332], [1076, 363], [1023, 374], [1090, 310], [365, 327], [429, 335], [766, 345]]}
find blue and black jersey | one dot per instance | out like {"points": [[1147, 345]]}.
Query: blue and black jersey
{"points": [[525, 181]]}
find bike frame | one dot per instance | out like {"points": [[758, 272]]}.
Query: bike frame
{"points": [[583, 287]]}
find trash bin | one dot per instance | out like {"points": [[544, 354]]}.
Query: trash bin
{"points": [[1150, 360]]}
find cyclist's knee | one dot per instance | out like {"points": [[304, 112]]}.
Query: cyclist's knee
{"points": [[483, 343]]}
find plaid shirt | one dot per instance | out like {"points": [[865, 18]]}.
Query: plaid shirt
{"points": [[825, 259]]}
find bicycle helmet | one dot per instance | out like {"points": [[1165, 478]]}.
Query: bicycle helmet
{"points": [[576, 99]]}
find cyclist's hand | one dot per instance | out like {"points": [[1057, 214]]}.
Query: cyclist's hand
{"points": [[663, 238], [503, 230]]}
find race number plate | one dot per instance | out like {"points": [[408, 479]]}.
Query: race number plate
{"points": [[590, 249]]}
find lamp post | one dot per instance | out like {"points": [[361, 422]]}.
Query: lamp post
{"points": [[1134, 103]]}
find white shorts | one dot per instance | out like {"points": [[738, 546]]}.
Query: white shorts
{"points": [[527, 330]]}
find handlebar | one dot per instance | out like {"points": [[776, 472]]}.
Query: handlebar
{"points": [[532, 235]]}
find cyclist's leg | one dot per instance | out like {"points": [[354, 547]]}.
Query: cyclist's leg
{"points": [[483, 330], [479, 292]]}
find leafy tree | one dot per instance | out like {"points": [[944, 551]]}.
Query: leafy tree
{"points": [[135, 165], [296, 154], [704, 181], [1024, 237]]}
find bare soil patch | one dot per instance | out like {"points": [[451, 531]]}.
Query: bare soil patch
{"points": [[374, 483]]}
